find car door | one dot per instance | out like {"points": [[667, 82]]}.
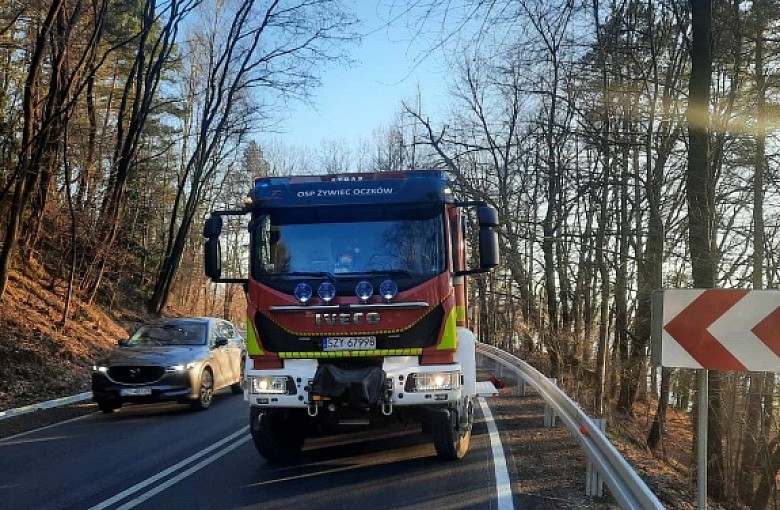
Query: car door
{"points": [[219, 355], [235, 350]]}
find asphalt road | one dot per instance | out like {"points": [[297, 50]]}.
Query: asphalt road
{"points": [[165, 456]]}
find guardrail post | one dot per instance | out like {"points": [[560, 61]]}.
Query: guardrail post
{"points": [[499, 369], [594, 484], [521, 386], [549, 412]]}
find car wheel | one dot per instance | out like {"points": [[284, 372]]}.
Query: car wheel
{"points": [[108, 406], [236, 388], [205, 391]]}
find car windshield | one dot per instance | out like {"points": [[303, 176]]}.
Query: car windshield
{"points": [[185, 333], [404, 243]]}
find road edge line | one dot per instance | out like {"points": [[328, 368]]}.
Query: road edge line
{"points": [[503, 482]]}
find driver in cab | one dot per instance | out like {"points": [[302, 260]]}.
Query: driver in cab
{"points": [[350, 259]]}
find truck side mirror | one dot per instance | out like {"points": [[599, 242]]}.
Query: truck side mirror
{"points": [[488, 248], [488, 238], [213, 258], [487, 216], [213, 227]]}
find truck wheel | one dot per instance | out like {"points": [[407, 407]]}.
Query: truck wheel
{"points": [[451, 442], [278, 433]]}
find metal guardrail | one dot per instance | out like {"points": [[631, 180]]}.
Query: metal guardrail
{"points": [[49, 404], [625, 485]]}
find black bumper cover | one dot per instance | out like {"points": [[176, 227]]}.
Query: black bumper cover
{"points": [[358, 387]]}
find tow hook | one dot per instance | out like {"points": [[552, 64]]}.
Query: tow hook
{"points": [[387, 401], [312, 409]]}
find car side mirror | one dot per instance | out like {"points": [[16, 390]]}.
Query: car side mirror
{"points": [[221, 342], [124, 342]]}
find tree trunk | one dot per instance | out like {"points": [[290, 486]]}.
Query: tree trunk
{"points": [[700, 197], [659, 420], [752, 433], [24, 168]]}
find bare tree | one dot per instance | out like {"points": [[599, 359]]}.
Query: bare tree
{"points": [[272, 48]]}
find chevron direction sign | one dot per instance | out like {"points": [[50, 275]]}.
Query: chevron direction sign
{"points": [[717, 329]]}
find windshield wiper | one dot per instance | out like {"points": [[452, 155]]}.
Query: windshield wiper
{"points": [[314, 274], [380, 272]]}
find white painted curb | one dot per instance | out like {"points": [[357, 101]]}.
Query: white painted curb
{"points": [[57, 402]]}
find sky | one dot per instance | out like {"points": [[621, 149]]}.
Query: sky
{"points": [[352, 102]]}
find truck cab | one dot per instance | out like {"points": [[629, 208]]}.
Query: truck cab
{"points": [[356, 306]]}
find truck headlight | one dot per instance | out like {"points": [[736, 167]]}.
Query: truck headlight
{"points": [[433, 381], [273, 385], [99, 368]]}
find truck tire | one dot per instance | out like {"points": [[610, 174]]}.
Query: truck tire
{"points": [[278, 434], [450, 441]]}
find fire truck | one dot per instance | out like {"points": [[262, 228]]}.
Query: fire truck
{"points": [[357, 306]]}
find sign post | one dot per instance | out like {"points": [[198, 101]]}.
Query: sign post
{"points": [[715, 329], [701, 452]]}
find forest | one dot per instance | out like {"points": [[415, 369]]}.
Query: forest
{"points": [[628, 146]]}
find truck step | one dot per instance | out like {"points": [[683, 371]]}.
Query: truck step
{"points": [[356, 421], [486, 389]]}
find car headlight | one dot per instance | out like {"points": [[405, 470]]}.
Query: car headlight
{"points": [[100, 368], [434, 381], [181, 367], [274, 385]]}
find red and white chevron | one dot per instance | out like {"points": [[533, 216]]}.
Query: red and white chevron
{"points": [[717, 329]]}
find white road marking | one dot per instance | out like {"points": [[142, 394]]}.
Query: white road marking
{"points": [[503, 483], [162, 474], [22, 434], [181, 476]]}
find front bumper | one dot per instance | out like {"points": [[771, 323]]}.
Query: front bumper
{"points": [[398, 370], [171, 387]]}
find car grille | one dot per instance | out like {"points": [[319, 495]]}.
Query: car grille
{"points": [[136, 375]]}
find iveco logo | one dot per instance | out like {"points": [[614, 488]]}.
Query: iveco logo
{"points": [[345, 319]]}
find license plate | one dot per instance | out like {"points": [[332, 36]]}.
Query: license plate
{"points": [[348, 343], [135, 392]]}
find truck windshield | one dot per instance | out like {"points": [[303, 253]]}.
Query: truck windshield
{"points": [[338, 242]]}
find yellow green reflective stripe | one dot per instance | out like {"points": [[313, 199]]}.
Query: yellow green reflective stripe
{"points": [[449, 340], [460, 312], [349, 354], [252, 345]]}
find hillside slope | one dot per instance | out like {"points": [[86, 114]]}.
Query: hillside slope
{"points": [[42, 359]]}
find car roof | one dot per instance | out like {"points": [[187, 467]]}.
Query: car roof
{"points": [[185, 320]]}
